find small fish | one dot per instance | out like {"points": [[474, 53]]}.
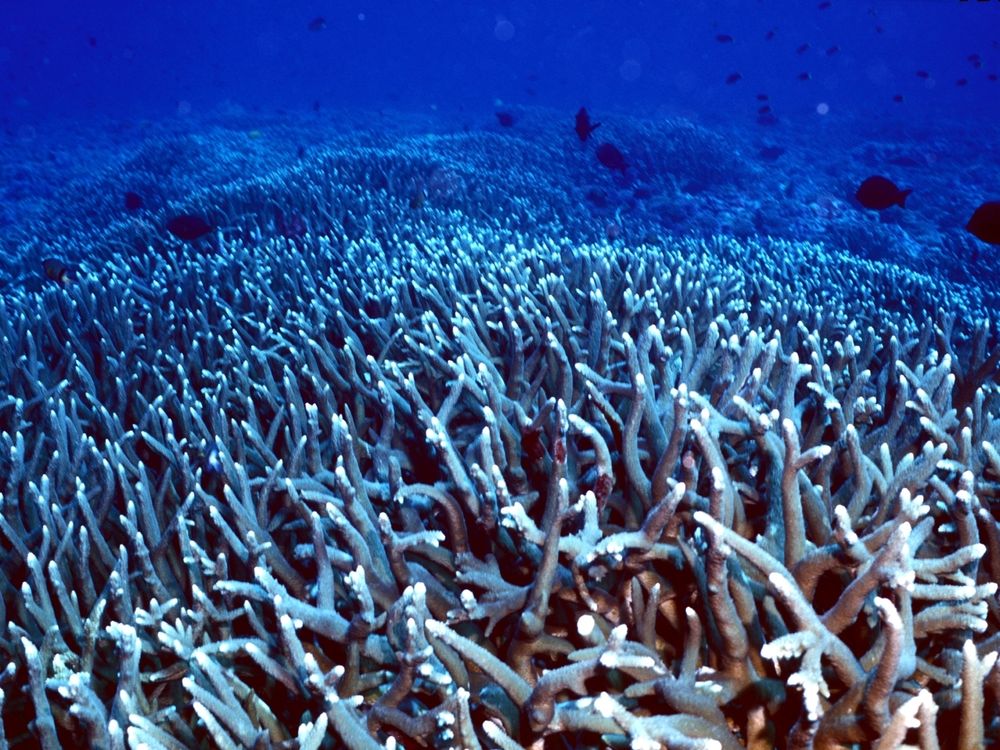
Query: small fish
{"points": [[762, 97], [879, 30], [825, 5], [992, 77], [764, 110], [976, 60], [769, 35], [898, 98], [188, 227], [985, 222], [879, 193], [57, 271], [92, 41], [923, 74], [733, 78], [804, 76], [771, 153], [317, 24], [611, 157], [506, 119], [802, 49], [584, 127], [133, 201], [831, 51], [962, 82], [724, 38]]}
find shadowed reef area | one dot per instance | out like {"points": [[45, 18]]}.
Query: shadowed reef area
{"points": [[428, 444]]}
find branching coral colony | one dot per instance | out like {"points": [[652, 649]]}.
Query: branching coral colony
{"points": [[461, 488]]}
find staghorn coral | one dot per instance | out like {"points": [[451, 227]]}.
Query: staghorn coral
{"points": [[420, 479]]}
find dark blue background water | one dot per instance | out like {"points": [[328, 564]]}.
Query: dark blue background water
{"points": [[156, 59]]}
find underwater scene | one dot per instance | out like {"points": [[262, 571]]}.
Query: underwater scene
{"points": [[500, 375]]}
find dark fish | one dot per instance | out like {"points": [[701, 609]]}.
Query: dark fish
{"points": [[764, 110], [506, 119], [879, 30], [771, 153], [188, 227], [832, 51], [584, 127], [923, 74], [92, 41], [723, 38], [803, 48], [992, 76], [804, 76], [824, 5], [769, 35], [133, 201], [57, 271], [985, 222], [879, 193], [962, 82], [762, 97], [898, 98], [611, 157], [317, 24], [733, 78]]}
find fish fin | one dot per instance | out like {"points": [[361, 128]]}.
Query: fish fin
{"points": [[903, 194]]}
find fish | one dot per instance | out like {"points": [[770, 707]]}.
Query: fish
{"points": [[992, 77], [609, 155], [898, 98], [764, 110], [831, 51], [802, 49], [962, 82], [985, 223], [133, 201], [923, 74], [92, 41], [584, 127], [733, 78], [317, 24], [769, 35], [57, 271], [824, 5], [724, 38], [804, 76], [506, 119], [771, 153], [188, 227], [762, 97], [879, 193]]}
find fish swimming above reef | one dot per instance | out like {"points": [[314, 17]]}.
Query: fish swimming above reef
{"points": [[733, 78], [609, 155], [724, 38], [879, 193], [317, 24], [584, 127], [506, 119], [985, 222], [188, 227], [57, 271], [133, 201], [771, 153]]}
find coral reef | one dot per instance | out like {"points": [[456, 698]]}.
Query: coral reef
{"points": [[422, 474]]}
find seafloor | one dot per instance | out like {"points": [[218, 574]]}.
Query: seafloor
{"points": [[447, 436]]}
